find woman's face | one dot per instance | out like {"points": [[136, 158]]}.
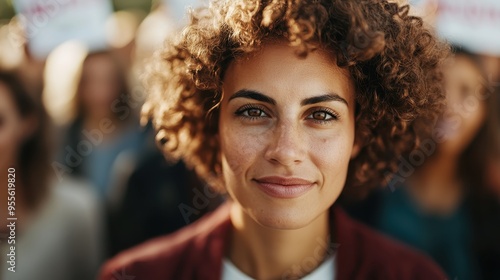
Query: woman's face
{"points": [[466, 107], [286, 130], [99, 85]]}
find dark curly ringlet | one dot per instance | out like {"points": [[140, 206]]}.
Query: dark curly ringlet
{"points": [[392, 58]]}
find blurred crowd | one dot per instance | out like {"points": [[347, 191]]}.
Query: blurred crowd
{"points": [[91, 182], [90, 179]]}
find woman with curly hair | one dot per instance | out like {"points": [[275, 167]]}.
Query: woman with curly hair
{"points": [[284, 105]]}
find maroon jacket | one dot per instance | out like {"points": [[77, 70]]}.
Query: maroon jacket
{"points": [[196, 252]]}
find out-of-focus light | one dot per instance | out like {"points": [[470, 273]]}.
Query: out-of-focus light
{"points": [[62, 70], [12, 46], [121, 28]]}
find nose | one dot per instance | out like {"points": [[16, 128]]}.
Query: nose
{"points": [[286, 146]]}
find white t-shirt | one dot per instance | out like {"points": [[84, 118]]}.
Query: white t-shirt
{"points": [[325, 271]]}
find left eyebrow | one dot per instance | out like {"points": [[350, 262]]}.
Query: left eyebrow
{"points": [[323, 98]]}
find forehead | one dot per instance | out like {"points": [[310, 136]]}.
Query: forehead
{"points": [[461, 70], [465, 64], [276, 68]]}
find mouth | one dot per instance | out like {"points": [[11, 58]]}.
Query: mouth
{"points": [[284, 187]]}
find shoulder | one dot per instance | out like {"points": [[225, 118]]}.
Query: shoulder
{"points": [[378, 256], [148, 258], [174, 255]]}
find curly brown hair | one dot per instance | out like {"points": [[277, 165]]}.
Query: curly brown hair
{"points": [[392, 58]]}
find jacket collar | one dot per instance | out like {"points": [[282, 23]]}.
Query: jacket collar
{"points": [[210, 267]]}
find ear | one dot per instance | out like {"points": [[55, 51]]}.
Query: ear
{"points": [[356, 147]]}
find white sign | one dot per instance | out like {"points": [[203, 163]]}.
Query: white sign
{"points": [[472, 24], [49, 23]]}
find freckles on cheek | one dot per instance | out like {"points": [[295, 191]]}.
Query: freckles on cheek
{"points": [[233, 156], [240, 151]]}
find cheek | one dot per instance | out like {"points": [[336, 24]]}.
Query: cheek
{"points": [[240, 149], [332, 155], [478, 116], [472, 121]]}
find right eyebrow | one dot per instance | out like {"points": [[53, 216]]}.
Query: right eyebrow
{"points": [[252, 94]]}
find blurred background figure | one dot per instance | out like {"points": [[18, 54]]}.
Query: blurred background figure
{"points": [[58, 233], [447, 207], [103, 120], [139, 188], [81, 57], [447, 202], [105, 145]]}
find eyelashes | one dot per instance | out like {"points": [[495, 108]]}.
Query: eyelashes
{"points": [[252, 112], [320, 115], [323, 115]]}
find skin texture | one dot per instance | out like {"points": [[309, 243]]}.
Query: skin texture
{"points": [[314, 142]]}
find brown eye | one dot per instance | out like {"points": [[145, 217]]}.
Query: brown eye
{"points": [[251, 112], [254, 112], [320, 116]]}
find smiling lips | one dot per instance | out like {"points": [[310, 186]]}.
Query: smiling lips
{"points": [[284, 187]]}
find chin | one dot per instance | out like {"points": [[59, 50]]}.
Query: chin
{"points": [[283, 218]]}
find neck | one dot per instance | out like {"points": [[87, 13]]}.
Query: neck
{"points": [[441, 169], [266, 253], [94, 121], [436, 184]]}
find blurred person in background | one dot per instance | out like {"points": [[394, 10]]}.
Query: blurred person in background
{"points": [[146, 202], [103, 118], [144, 191], [448, 207], [139, 189], [492, 67], [58, 231], [150, 204]]}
